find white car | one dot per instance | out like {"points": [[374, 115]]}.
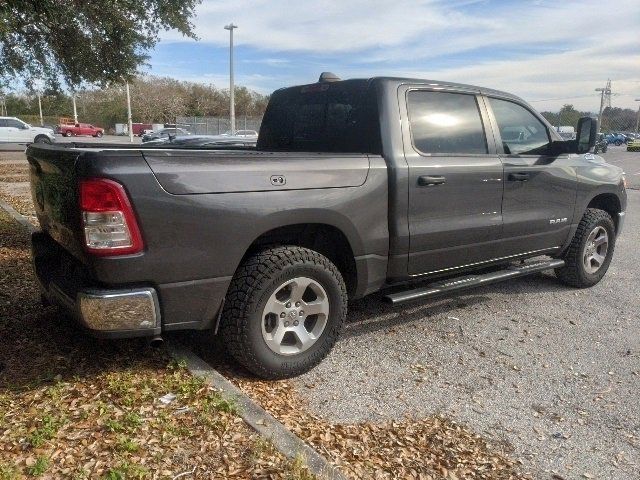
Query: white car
{"points": [[14, 130]]}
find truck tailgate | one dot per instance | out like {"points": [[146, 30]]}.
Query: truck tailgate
{"points": [[54, 191]]}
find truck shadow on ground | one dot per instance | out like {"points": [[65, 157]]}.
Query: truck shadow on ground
{"points": [[372, 314], [40, 346]]}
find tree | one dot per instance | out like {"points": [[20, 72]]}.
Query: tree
{"points": [[84, 41]]}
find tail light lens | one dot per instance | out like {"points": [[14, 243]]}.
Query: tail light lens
{"points": [[110, 226]]}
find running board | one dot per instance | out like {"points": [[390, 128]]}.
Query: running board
{"points": [[462, 283]]}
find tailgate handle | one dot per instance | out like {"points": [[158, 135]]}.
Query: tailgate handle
{"points": [[427, 180]]}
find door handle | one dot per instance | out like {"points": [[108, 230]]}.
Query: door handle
{"points": [[427, 180], [519, 177]]}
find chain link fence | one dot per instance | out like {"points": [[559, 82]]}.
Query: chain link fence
{"points": [[217, 125], [614, 120]]}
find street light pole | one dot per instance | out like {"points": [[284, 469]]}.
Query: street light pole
{"points": [[232, 107], [638, 117], [40, 109], [129, 122], [75, 111]]}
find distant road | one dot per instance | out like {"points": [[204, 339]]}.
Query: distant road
{"points": [[16, 147]]}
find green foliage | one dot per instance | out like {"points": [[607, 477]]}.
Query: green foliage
{"points": [[153, 100], [126, 444], [8, 472], [48, 428], [84, 42], [126, 471], [614, 119], [38, 468]]}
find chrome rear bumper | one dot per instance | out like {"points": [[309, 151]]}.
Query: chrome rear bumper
{"points": [[112, 313]]}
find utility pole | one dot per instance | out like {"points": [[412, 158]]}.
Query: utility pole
{"points": [[638, 117], [232, 107], [605, 92], [129, 123], [40, 109], [75, 111]]}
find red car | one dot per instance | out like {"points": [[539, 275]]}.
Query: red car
{"points": [[81, 129]]}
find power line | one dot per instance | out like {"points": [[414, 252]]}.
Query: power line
{"points": [[561, 98]]}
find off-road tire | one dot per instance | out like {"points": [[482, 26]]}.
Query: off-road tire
{"points": [[573, 273], [252, 285]]}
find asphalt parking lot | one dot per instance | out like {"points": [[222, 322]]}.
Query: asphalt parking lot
{"points": [[551, 372], [628, 161]]}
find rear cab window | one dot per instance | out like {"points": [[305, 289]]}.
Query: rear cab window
{"points": [[323, 117]]}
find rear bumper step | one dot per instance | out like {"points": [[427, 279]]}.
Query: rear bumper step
{"points": [[469, 281]]}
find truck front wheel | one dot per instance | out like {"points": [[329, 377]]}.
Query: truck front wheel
{"points": [[589, 254], [284, 311]]}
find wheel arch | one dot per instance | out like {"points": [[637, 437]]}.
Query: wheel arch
{"points": [[610, 203], [41, 135], [323, 238]]}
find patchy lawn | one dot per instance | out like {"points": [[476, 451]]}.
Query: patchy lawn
{"points": [[75, 407]]}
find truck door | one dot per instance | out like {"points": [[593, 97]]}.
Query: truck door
{"points": [[539, 188], [455, 179], [17, 131]]}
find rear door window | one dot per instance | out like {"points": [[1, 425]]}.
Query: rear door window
{"points": [[521, 131], [13, 123], [446, 123]]}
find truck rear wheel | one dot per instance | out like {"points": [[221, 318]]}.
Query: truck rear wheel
{"points": [[589, 254], [284, 311], [67, 134]]}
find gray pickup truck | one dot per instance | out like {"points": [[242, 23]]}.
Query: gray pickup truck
{"points": [[355, 186]]}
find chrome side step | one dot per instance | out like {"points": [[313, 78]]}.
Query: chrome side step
{"points": [[469, 281]]}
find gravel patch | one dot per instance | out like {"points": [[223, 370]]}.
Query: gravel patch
{"points": [[551, 372]]}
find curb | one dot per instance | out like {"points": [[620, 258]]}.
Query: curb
{"points": [[18, 217], [257, 417]]}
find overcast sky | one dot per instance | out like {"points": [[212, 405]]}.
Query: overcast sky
{"points": [[549, 52]]}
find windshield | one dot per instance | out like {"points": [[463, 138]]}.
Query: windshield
{"points": [[323, 117]]}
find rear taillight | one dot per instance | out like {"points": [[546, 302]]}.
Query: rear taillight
{"points": [[110, 226]]}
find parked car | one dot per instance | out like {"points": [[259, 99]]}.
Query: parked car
{"points": [[80, 129], [633, 145], [242, 133], [267, 246], [202, 141], [14, 130], [616, 138], [164, 133], [601, 144]]}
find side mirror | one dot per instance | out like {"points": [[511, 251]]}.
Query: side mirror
{"points": [[25, 126], [586, 134]]}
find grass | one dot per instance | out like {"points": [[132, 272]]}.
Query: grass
{"points": [[39, 467], [49, 426]]}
